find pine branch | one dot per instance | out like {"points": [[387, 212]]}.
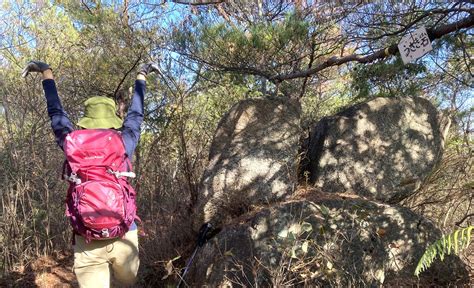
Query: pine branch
{"points": [[433, 33]]}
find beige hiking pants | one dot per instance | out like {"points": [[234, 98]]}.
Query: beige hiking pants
{"points": [[94, 262]]}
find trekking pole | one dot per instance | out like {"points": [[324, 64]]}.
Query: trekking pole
{"points": [[201, 240]]}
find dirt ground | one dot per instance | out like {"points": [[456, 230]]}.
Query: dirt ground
{"points": [[56, 272], [44, 272]]}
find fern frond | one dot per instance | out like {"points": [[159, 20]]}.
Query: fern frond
{"points": [[456, 242]]}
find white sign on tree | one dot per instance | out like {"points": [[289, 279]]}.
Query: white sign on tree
{"points": [[414, 45]]}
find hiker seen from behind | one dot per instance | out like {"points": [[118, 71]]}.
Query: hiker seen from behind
{"points": [[100, 202]]}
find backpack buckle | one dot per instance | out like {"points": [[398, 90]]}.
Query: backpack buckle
{"points": [[105, 233], [115, 173], [73, 178]]}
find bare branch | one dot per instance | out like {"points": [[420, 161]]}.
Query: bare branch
{"points": [[460, 80], [87, 7], [463, 219], [311, 59], [198, 2], [126, 74], [224, 15]]}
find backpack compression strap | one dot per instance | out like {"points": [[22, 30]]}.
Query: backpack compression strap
{"points": [[119, 174]]}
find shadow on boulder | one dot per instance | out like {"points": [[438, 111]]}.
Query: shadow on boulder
{"points": [[324, 240], [382, 149], [252, 159]]}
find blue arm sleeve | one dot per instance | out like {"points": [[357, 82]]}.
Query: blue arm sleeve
{"points": [[59, 120], [134, 119]]}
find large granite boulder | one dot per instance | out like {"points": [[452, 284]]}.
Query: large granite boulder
{"points": [[252, 159], [323, 241], [382, 149]]}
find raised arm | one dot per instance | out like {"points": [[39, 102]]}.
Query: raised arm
{"points": [[59, 120], [132, 123]]}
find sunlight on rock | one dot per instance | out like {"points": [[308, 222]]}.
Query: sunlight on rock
{"points": [[378, 237], [260, 229], [245, 119], [368, 147]]}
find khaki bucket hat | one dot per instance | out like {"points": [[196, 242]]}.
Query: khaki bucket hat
{"points": [[100, 114]]}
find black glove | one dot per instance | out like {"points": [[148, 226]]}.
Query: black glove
{"points": [[34, 66], [147, 68]]}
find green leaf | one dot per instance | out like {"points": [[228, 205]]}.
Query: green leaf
{"points": [[305, 246], [456, 242], [450, 244], [293, 252], [329, 265], [443, 246], [322, 231], [324, 210], [283, 233], [469, 232], [291, 236], [307, 227]]}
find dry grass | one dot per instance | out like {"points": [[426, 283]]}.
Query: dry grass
{"points": [[44, 272]]}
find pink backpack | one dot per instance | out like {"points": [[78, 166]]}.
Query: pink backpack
{"points": [[100, 201]]}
